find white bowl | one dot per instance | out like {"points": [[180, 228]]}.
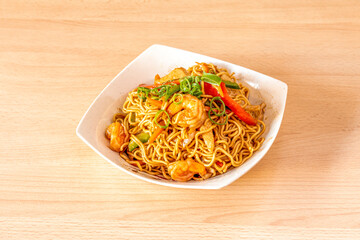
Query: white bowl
{"points": [[159, 59]]}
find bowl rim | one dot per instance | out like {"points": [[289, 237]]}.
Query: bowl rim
{"points": [[182, 184]]}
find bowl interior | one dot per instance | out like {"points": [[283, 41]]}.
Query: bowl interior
{"points": [[160, 60]]}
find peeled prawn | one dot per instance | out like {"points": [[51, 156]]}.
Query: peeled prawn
{"points": [[191, 112], [117, 135], [185, 170]]}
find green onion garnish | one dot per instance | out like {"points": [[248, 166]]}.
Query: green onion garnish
{"points": [[156, 117], [179, 101], [163, 90], [190, 78], [185, 85], [143, 92], [171, 90], [197, 79], [195, 86], [222, 109], [226, 120], [155, 91]]}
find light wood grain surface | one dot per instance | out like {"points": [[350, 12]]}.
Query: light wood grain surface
{"points": [[56, 56]]}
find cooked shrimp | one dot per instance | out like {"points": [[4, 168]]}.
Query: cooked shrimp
{"points": [[185, 170], [209, 136], [117, 135], [190, 112]]}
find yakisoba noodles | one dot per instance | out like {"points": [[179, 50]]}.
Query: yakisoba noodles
{"points": [[190, 125]]}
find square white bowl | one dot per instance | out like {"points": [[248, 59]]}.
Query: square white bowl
{"points": [[159, 59]]}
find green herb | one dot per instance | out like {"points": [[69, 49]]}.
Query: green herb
{"points": [[171, 90], [196, 87], [190, 78], [156, 117], [143, 92], [155, 91], [179, 101], [163, 90], [185, 85], [197, 79], [221, 110], [212, 120], [196, 90]]}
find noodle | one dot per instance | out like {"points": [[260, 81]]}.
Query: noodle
{"points": [[234, 142]]}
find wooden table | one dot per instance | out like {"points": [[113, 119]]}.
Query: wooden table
{"points": [[56, 56]]}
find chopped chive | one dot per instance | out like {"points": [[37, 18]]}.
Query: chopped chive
{"points": [[156, 117]]}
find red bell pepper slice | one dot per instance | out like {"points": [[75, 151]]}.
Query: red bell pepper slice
{"points": [[220, 164], [230, 103]]}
